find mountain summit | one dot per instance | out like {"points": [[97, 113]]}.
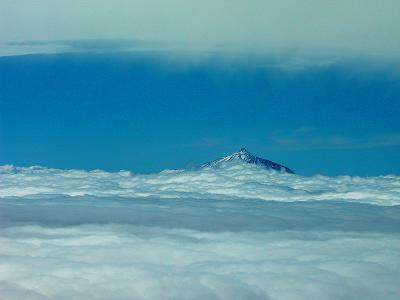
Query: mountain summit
{"points": [[246, 157]]}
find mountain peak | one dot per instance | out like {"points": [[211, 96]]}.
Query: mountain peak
{"points": [[246, 157], [244, 150]]}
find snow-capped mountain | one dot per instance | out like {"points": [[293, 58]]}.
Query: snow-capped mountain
{"points": [[246, 157]]}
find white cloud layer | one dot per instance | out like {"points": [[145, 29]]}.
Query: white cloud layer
{"points": [[230, 182], [127, 262], [311, 27], [211, 239]]}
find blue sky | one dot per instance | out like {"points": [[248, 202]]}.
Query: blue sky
{"points": [[145, 113], [149, 85]]}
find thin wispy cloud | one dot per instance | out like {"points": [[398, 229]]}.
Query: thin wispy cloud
{"points": [[77, 46], [305, 137]]}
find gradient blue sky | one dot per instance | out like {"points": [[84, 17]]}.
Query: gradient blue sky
{"points": [[145, 113], [315, 87]]}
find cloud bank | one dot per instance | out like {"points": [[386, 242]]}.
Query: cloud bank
{"points": [[122, 261], [209, 234], [313, 27], [233, 181]]}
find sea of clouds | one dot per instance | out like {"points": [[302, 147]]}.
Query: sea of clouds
{"points": [[237, 232], [232, 181]]}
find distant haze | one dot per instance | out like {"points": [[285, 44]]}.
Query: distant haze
{"points": [[312, 27]]}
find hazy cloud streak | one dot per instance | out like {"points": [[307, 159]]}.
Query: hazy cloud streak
{"points": [[312, 27]]}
